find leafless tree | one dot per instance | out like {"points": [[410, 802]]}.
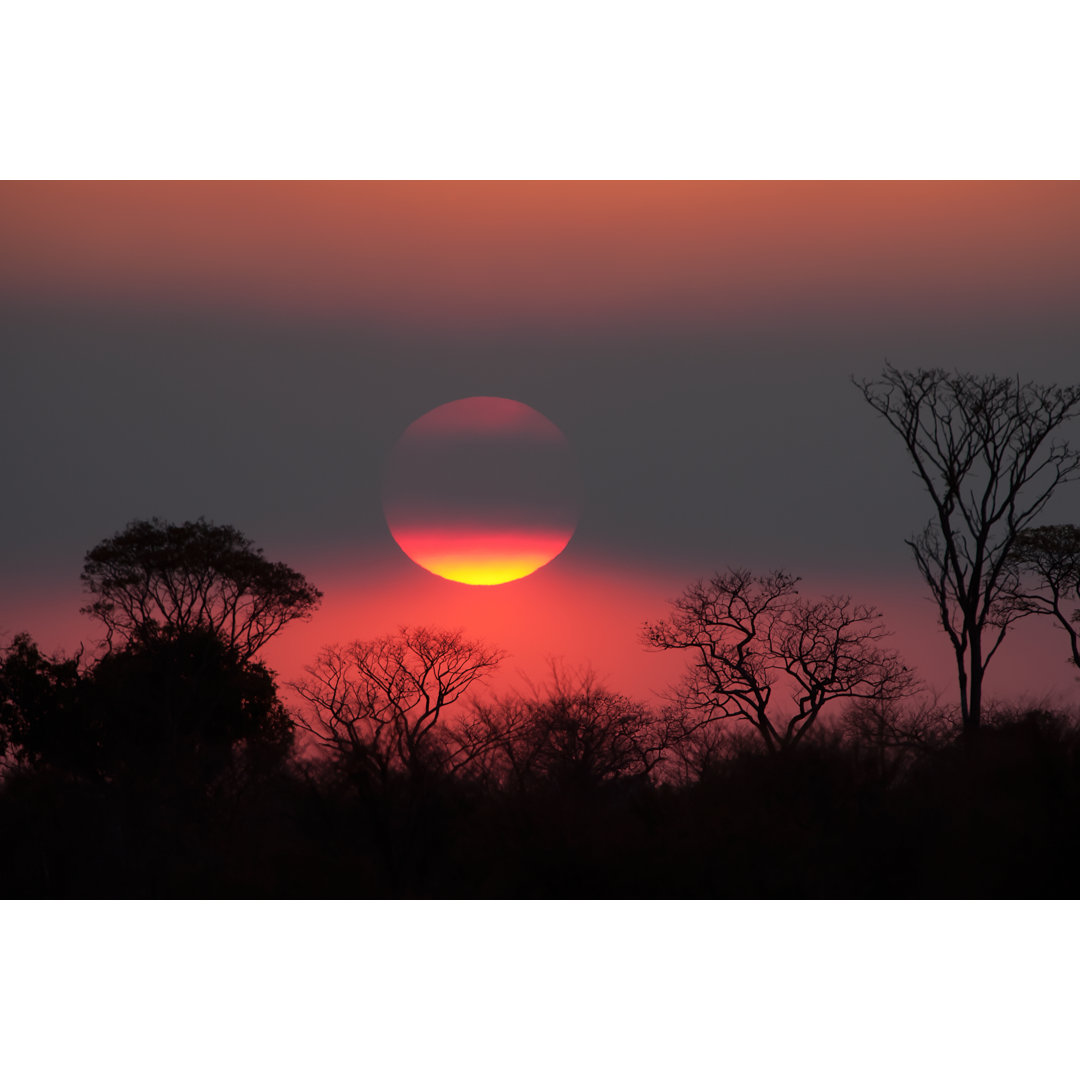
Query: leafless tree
{"points": [[981, 445], [1045, 580], [897, 732], [700, 749], [751, 636], [381, 705], [154, 575], [574, 733]]}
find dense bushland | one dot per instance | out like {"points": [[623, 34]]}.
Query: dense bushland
{"points": [[171, 769]]}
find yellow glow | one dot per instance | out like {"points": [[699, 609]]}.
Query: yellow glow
{"points": [[481, 558]]}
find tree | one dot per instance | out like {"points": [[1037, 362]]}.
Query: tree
{"points": [[1046, 577], [172, 708], [183, 710], [154, 574], [380, 706], [894, 733], [981, 447], [40, 705], [575, 734], [753, 634]]}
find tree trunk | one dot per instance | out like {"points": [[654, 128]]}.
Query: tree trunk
{"points": [[974, 719], [961, 670], [974, 709]]}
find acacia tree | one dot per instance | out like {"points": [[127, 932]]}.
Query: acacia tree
{"points": [[981, 445], [154, 575], [752, 636], [379, 706], [1046, 577]]}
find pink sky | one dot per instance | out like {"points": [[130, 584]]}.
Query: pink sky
{"points": [[578, 612]]}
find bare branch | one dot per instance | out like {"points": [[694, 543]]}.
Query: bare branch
{"points": [[1044, 578], [982, 448], [574, 734], [381, 704], [751, 634]]}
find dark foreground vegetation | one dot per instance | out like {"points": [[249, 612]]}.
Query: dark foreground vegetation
{"points": [[169, 769]]}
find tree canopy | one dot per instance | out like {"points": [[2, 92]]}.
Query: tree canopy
{"points": [[40, 705], [170, 708], [1046, 566], [155, 574]]}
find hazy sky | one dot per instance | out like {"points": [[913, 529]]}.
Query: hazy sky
{"points": [[251, 352]]}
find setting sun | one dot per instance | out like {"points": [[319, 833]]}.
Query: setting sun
{"points": [[481, 556], [482, 490]]}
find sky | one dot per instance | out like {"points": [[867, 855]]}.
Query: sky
{"points": [[252, 352]]}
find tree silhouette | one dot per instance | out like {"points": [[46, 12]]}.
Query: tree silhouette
{"points": [[377, 705], [753, 634], [154, 574], [172, 708], [575, 734], [41, 706], [1046, 577], [184, 709], [895, 733], [980, 445]]}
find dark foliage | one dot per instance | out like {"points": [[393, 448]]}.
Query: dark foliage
{"points": [[187, 790], [121, 778], [41, 719], [155, 575]]}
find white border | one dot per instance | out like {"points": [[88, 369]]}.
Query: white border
{"points": [[777, 89]]}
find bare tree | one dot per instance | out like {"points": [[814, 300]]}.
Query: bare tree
{"points": [[381, 705], [154, 575], [1046, 577], [574, 733], [753, 635], [981, 447], [896, 733]]}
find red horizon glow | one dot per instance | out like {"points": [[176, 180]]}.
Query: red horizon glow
{"points": [[539, 620]]}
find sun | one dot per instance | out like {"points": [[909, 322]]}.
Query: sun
{"points": [[482, 490]]}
